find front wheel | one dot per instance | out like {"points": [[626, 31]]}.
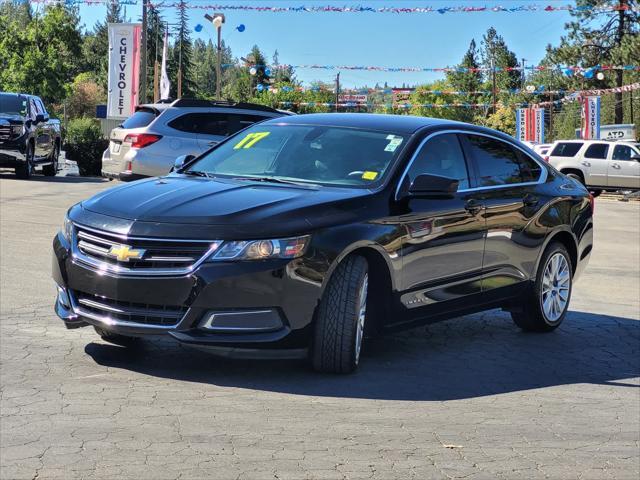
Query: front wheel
{"points": [[52, 169], [546, 304], [339, 328], [25, 170]]}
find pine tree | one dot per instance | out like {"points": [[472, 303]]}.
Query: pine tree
{"points": [[182, 54], [496, 54], [467, 81], [95, 45]]}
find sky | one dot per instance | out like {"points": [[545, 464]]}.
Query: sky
{"points": [[381, 39]]}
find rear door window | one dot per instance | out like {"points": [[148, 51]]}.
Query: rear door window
{"points": [[141, 118], [499, 163], [220, 124], [566, 149], [597, 150]]}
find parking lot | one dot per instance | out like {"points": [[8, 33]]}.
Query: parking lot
{"points": [[468, 398]]}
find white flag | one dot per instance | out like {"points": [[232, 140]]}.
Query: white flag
{"points": [[165, 84]]}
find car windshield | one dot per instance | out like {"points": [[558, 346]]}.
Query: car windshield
{"points": [[305, 153], [13, 105]]}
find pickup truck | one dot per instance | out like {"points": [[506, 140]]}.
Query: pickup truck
{"points": [[600, 165], [29, 139]]}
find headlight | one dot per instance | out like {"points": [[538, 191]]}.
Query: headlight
{"points": [[67, 229], [17, 130], [261, 249]]}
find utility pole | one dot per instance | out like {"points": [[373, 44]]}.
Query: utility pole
{"points": [[493, 81], [143, 54], [337, 90], [551, 114], [217, 20], [523, 75]]}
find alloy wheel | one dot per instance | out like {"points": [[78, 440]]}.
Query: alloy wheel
{"points": [[556, 284]]}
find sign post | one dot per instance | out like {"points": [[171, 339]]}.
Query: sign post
{"points": [[124, 69]]}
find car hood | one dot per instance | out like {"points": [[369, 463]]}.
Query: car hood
{"points": [[223, 207]]}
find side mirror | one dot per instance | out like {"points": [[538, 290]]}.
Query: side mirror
{"points": [[181, 161], [41, 118], [433, 186], [635, 156]]}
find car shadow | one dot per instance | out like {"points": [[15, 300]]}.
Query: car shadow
{"points": [[468, 357]]}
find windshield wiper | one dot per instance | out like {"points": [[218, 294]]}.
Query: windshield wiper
{"points": [[273, 180], [197, 173]]}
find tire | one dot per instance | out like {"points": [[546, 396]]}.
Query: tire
{"points": [[25, 170], [339, 326], [546, 303], [52, 169], [116, 339]]}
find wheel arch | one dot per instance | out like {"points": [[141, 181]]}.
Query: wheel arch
{"points": [[576, 171], [568, 240]]}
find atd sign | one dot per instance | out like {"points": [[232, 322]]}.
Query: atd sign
{"points": [[124, 69]]}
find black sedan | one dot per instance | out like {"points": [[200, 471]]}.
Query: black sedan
{"points": [[301, 236]]}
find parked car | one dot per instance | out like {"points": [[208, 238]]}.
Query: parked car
{"points": [[148, 142], [29, 139], [300, 235], [599, 164], [542, 148]]}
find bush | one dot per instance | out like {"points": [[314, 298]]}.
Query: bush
{"points": [[85, 144]]}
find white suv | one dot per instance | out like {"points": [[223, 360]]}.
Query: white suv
{"points": [[148, 142], [598, 164]]}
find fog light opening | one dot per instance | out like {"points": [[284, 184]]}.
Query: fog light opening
{"points": [[248, 321]]}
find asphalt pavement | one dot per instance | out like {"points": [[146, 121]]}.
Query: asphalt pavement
{"points": [[471, 398]]}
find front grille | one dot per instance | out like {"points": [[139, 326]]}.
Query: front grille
{"points": [[154, 254], [127, 312], [5, 132]]}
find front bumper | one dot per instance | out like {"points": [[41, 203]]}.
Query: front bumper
{"points": [[260, 309], [12, 155]]}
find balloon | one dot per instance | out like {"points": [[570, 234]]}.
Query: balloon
{"points": [[240, 28], [588, 73], [198, 28], [267, 72], [253, 70], [260, 87], [568, 72]]}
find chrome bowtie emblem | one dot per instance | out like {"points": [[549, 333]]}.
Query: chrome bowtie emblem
{"points": [[124, 253]]}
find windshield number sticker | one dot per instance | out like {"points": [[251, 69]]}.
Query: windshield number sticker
{"points": [[394, 142], [250, 140], [369, 175]]}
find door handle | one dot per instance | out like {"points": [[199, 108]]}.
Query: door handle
{"points": [[473, 206], [586, 164], [212, 143], [615, 165], [529, 200]]}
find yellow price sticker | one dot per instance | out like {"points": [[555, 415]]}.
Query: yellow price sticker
{"points": [[369, 175], [250, 140]]}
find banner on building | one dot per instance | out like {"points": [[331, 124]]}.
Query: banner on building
{"points": [[591, 117], [358, 99], [124, 69], [530, 125]]}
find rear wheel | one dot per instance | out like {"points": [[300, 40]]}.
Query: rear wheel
{"points": [[116, 339], [52, 169], [25, 170], [339, 328], [546, 304]]}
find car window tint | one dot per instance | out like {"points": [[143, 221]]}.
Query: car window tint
{"points": [[622, 152], [442, 155], [221, 124], [597, 150], [530, 170], [497, 162], [139, 119], [565, 149]]}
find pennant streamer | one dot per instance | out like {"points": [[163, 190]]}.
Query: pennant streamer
{"points": [[604, 8]]}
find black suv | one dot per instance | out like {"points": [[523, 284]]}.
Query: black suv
{"points": [[29, 139], [301, 235]]}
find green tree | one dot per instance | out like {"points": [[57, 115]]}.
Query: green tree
{"points": [[496, 54], [467, 81], [40, 57], [182, 55], [600, 38]]}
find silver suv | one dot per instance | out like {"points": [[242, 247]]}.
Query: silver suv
{"points": [[148, 142]]}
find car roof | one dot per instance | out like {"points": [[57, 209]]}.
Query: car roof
{"points": [[372, 121]]}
